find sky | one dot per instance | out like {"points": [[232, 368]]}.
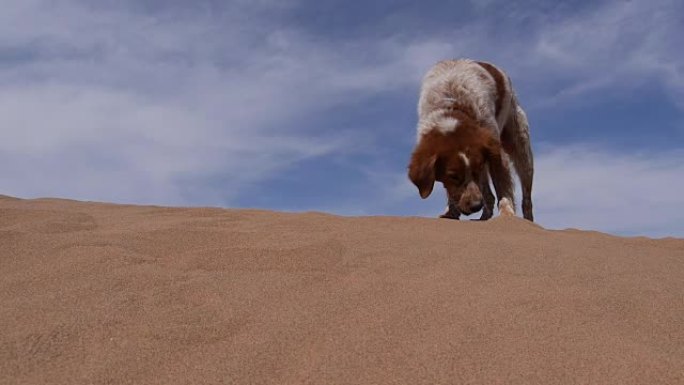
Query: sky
{"points": [[311, 105]]}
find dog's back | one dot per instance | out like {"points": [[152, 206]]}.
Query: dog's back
{"points": [[479, 89]]}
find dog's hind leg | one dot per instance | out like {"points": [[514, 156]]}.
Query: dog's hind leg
{"points": [[516, 142]]}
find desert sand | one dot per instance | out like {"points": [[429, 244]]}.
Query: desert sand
{"points": [[94, 293]]}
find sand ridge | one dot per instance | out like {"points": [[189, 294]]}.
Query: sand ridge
{"points": [[98, 293]]}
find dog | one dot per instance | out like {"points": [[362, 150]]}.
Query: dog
{"points": [[470, 128]]}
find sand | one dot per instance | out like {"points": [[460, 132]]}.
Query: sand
{"points": [[94, 293]]}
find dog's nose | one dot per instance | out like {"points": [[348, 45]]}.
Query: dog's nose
{"points": [[476, 207]]}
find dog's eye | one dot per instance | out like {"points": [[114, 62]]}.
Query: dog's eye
{"points": [[455, 177]]}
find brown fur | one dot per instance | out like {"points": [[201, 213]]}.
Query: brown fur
{"points": [[436, 159]]}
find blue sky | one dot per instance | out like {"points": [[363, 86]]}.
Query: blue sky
{"points": [[310, 105]]}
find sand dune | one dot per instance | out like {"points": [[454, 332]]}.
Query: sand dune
{"points": [[95, 293]]}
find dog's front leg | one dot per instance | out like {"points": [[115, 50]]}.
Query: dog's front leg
{"points": [[451, 211]]}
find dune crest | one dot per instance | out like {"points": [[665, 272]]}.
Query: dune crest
{"points": [[98, 293]]}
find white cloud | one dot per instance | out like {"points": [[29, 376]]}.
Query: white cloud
{"points": [[626, 193], [113, 104], [614, 44]]}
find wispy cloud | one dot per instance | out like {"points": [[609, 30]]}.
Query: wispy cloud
{"points": [[169, 96], [616, 44]]}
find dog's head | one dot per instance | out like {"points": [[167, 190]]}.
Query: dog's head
{"points": [[457, 159]]}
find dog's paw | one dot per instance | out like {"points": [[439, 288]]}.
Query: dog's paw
{"points": [[506, 208], [449, 216]]}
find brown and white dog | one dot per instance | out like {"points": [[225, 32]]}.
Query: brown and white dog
{"points": [[470, 125]]}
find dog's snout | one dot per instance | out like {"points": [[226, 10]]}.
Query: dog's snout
{"points": [[472, 208], [475, 207]]}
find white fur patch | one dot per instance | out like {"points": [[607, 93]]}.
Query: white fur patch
{"points": [[506, 208], [465, 159], [439, 121], [447, 124]]}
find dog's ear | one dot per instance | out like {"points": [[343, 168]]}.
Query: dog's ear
{"points": [[421, 171], [498, 168]]}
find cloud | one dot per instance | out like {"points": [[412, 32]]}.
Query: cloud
{"points": [[613, 44], [131, 106], [583, 187]]}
